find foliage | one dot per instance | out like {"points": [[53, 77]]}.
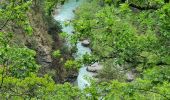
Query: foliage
{"points": [[15, 62], [72, 64], [139, 39], [88, 59], [56, 53], [111, 70], [106, 29], [34, 87], [15, 11], [51, 4], [119, 36]]}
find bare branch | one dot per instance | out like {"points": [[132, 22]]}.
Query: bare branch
{"points": [[4, 24]]}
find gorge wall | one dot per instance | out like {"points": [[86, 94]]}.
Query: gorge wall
{"points": [[44, 40]]}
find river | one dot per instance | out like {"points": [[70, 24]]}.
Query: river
{"points": [[66, 13]]}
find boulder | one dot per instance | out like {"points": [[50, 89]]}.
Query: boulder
{"points": [[85, 43], [94, 67], [130, 76]]}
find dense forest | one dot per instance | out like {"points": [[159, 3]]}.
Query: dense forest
{"points": [[129, 42]]}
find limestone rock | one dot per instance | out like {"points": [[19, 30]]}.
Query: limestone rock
{"points": [[85, 43], [130, 76], [94, 67]]}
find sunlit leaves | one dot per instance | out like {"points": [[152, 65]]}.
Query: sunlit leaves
{"points": [[15, 11], [56, 53], [20, 61], [139, 38], [35, 87], [49, 5], [72, 64]]}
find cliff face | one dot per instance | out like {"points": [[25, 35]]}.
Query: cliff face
{"points": [[41, 41], [44, 41]]}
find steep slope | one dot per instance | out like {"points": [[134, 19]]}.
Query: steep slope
{"points": [[44, 40]]}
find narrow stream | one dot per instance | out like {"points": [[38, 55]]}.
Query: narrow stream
{"points": [[65, 13]]}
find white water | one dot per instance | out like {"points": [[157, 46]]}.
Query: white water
{"points": [[65, 13]]}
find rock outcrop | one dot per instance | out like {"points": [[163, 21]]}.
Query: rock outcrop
{"points": [[44, 40]]}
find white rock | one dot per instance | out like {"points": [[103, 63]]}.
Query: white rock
{"points": [[94, 67], [130, 76], [85, 43]]}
